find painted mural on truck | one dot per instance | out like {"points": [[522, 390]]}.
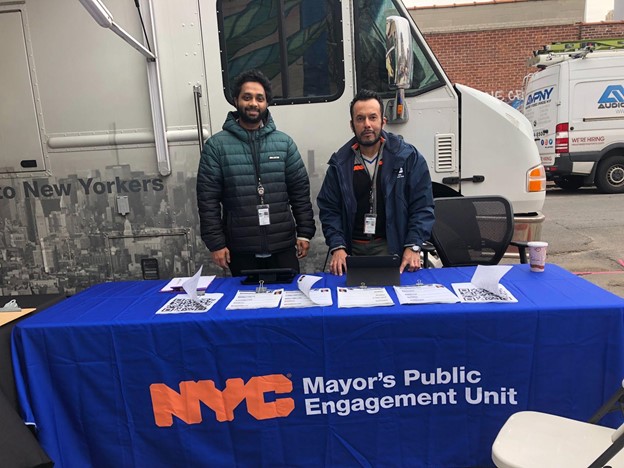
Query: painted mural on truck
{"points": [[64, 234]]}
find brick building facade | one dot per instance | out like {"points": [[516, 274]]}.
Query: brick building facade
{"points": [[495, 60]]}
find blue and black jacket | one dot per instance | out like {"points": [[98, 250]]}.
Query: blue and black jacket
{"points": [[408, 196]]}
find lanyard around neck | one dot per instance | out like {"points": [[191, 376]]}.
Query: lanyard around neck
{"points": [[255, 156], [372, 196]]}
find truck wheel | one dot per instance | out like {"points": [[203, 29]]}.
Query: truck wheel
{"points": [[610, 175], [569, 182]]}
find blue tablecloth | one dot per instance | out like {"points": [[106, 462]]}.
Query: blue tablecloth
{"points": [[109, 383]]}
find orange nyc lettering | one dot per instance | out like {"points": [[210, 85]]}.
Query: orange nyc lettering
{"points": [[185, 405]]}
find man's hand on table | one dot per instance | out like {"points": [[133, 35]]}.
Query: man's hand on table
{"points": [[338, 262], [411, 260]]}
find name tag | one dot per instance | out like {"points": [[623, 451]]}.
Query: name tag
{"points": [[370, 223], [264, 219]]}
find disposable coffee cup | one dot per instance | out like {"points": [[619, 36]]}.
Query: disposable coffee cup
{"points": [[537, 255]]}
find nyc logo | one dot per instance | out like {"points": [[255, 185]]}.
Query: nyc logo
{"points": [[186, 404], [613, 93]]}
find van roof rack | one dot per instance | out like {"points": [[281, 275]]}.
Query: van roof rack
{"points": [[557, 52]]}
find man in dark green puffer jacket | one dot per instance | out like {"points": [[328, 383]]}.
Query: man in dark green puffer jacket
{"points": [[253, 190]]}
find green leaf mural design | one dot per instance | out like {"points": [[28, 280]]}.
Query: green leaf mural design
{"points": [[253, 24], [267, 57]]}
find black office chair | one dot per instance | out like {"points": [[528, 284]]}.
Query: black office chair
{"points": [[472, 231]]}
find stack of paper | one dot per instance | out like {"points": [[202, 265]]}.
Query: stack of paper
{"points": [[425, 294], [305, 296], [256, 300], [363, 297]]}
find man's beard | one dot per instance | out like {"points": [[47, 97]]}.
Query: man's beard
{"points": [[251, 120], [368, 142]]}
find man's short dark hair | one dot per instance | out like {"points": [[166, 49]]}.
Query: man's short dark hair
{"points": [[256, 76], [365, 95]]}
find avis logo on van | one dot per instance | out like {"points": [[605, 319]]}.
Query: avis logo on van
{"points": [[613, 97], [185, 404], [543, 95]]}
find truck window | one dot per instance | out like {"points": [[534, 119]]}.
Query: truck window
{"points": [[296, 43], [370, 32]]}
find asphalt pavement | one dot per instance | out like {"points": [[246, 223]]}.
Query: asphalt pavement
{"points": [[585, 235]]}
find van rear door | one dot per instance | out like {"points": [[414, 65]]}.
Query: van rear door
{"points": [[540, 108], [597, 105]]}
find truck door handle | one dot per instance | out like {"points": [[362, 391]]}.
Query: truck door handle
{"points": [[477, 179], [197, 94]]}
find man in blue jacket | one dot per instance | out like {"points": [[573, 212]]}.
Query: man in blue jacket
{"points": [[253, 190], [376, 198]]}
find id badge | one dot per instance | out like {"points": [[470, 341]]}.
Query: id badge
{"points": [[263, 215], [370, 222]]}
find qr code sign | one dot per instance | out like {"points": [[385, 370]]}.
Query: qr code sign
{"points": [[184, 305], [470, 293], [180, 305], [480, 295]]}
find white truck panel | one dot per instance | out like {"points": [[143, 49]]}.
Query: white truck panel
{"points": [[96, 204], [19, 133], [181, 55], [597, 124], [89, 80], [497, 124]]}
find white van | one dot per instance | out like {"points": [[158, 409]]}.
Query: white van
{"points": [[100, 146], [576, 106]]}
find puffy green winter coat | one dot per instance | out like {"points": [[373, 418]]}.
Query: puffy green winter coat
{"points": [[227, 190]]}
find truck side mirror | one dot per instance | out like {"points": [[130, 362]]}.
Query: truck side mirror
{"points": [[399, 65]]}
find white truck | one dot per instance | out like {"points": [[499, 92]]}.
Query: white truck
{"points": [[575, 103], [99, 143]]}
